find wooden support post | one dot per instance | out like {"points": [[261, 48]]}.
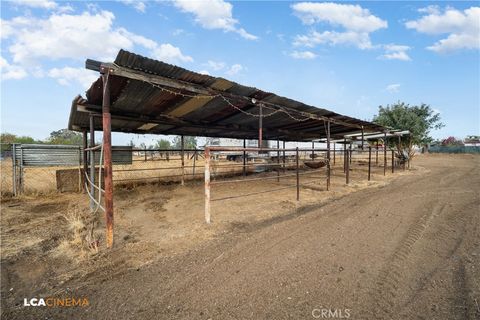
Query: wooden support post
{"points": [[298, 175], [376, 155], [369, 162], [92, 161], [84, 158], [328, 156], [344, 155], [351, 151], [107, 158], [207, 185], [244, 158], [385, 154], [313, 150], [182, 141]]}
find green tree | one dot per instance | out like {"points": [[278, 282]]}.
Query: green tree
{"points": [[189, 142], [419, 120], [65, 136], [8, 138], [163, 144]]}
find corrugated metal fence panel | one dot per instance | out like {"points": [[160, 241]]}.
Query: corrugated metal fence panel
{"points": [[43, 155], [122, 156], [39, 155]]}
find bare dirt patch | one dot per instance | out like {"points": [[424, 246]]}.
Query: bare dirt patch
{"points": [[401, 247]]}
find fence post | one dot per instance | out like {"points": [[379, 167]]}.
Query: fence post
{"points": [[298, 176], [334, 153], [393, 161], [194, 158], [284, 168], [344, 155], [183, 158], [84, 158], [107, 157], [14, 169], [278, 160], [384, 153], [92, 162], [369, 161], [21, 183], [347, 166], [207, 185], [376, 155], [244, 158], [328, 156]]}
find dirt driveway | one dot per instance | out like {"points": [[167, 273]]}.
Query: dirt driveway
{"points": [[406, 250]]}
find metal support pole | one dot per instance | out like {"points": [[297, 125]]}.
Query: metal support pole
{"points": [[385, 153], [207, 185], [313, 150], [145, 153], [344, 155], [369, 161], [362, 137], [350, 156], [182, 141], [107, 158], [347, 166], [393, 161], [278, 160], [298, 176], [84, 158], [328, 156], [260, 128], [244, 158], [284, 168], [92, 161], [14, 169], [376, 155]]}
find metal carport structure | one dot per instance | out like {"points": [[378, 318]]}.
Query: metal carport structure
{"points": [[135, 94]]}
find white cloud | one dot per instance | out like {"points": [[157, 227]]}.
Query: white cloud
{"points": [[168, 53], [395, 52], [214, 14], [43, 4], [234, 69], [32, 41], [308, 55], [357, 24], [215, 65], [65, 76], [205, 72], [140, 6], [9, 71], [462, 27], [393, 88]]}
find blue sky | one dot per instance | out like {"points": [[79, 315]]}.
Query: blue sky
{"points": [[349, 57]]}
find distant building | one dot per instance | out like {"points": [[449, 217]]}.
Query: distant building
{"points": [[472, 141]]}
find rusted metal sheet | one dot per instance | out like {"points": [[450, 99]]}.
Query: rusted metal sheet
{"points": [[139, 101]]}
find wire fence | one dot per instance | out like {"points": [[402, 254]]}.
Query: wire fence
{"points": [[34, 169]]}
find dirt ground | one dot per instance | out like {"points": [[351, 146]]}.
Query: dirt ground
{"points": [[404, 246]]}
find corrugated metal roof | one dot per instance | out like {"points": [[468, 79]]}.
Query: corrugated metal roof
{"points": [[136, 101]]}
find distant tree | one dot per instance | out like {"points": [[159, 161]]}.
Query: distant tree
{"points": [[142, 145], [163, 144], [452, 141], [65, 136], [189, 142], [419, 120], [8, 138]]}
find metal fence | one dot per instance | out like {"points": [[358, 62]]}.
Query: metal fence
{"points": [[454, 149]]}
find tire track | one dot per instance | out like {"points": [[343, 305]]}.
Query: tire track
{"points": [[385, 294]]}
